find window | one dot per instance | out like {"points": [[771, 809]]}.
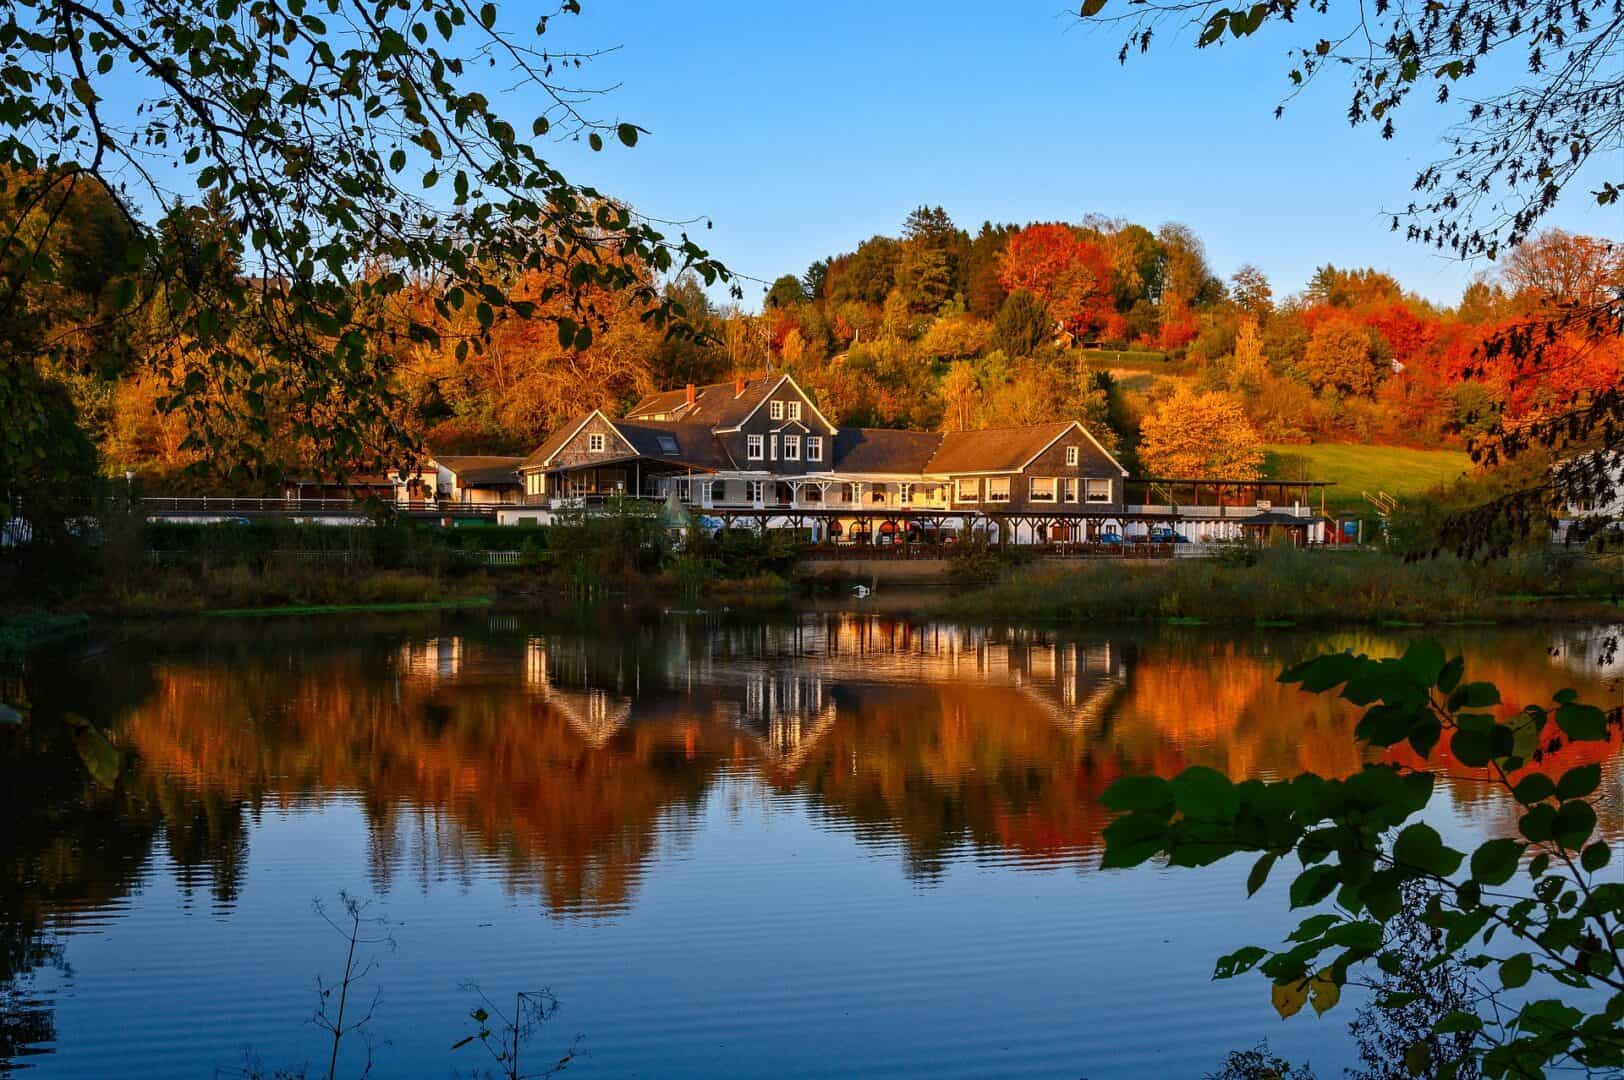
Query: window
{"points": [[752, 492], [668, 445], [1073, 455], [904, 494], [794, 408], [775, 409], [792, 448], [1071, 489], [772, 446], [968, 490], [1098, 491], [1043, 488], [998, 489], [595, 442], [718, 491], [814, 448], [848, 493], [752, 447]]}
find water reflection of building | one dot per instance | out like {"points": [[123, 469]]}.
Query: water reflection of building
{"points": [[432, 658]]}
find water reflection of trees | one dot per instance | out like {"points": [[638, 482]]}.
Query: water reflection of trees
{"points": [[562, 762]]}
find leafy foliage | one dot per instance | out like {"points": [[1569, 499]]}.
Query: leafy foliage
{"points": [[353, 163], [1364, 861]]}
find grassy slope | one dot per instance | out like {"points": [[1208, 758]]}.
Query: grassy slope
{"points": [[1402, 472]]}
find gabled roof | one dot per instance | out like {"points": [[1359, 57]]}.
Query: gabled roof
{"points": [[1006, 449], [555, 442], [715, 405], [718, 405], [881, 450], [481, 470]]}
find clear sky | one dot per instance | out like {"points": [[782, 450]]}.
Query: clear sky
{"points": [[801, 129]]}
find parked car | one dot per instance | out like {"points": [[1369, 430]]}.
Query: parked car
{"points": [[1108, 538], [1167, 536]]}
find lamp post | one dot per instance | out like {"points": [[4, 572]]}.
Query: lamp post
{"points": [[129, 489]]}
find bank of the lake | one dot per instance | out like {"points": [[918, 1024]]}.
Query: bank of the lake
{"points": [[1289, 586]]}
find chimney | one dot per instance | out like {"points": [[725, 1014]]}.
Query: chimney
{"points": [[738, 386], [690, 393]]}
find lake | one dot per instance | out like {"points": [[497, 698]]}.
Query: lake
{"points": [[823, 842]]}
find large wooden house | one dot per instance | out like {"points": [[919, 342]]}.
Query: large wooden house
{"points": [[762, 444]]}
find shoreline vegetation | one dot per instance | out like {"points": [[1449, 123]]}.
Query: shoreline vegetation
{"points": [[1288, 587]]}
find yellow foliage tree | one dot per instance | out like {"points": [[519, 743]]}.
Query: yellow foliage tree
{"points": [[1200, 434]]}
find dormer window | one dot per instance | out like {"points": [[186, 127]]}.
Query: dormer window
{"points": [[1073, 455], [775, 409], [595, 442]]}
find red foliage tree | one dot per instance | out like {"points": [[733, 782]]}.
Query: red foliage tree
{"points": [[1070, 273]]}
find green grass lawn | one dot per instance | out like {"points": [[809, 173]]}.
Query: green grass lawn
{"points": [[1402, 472]]}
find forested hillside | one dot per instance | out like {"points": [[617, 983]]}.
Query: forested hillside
{"points": [[1181, 370]]}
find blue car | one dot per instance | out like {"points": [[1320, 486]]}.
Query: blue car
{"points": [[1108, 538], [1167, 536]]}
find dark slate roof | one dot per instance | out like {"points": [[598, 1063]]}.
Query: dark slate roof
{"points": [[880, 450], [715, 405], [482, 470], [994, 449], [695, 444]]}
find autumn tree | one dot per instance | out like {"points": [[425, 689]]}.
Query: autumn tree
{"points": [[1193, 434], [787, 291], [356, 160], [1341, 355], [960, 391], [1068, 273], [1023, 323], [1250, 290]]}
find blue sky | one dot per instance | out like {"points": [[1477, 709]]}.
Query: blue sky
{"points": [[799, 130]]}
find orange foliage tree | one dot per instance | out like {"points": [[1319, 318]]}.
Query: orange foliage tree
{"points": [[1070, 273], [1195, 434]]}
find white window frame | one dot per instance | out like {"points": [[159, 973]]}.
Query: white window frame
{"points": [[1033, 494], [597, 442], [994, 496], [1071, 489], [754, 491], [718, 491], [1073, 455], [849, 494], [904, 494], [755, 448], [1092, 491], [775, 409], [814, 448], [793, 410], [967, 489], [792, 448], [772, 446]]}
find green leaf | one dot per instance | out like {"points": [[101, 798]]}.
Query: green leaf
{"points": [[1595, 856], [1418, 1057], [1450, 676], [595, 141], [1139, 793], [1458, 1021], [1582, 723], [1533, 788], [1205, 794], [1092, 8], [487, 15], [1494, 862], [627, 134], [1573, 824], [1516, 971], [1420, 846], [1579, 781], [1314, 885], [1260, 873], [1239, 961], [566, 332], [1424, 662], [1476, 695]]}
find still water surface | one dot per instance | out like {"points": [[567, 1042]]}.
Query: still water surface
{"points": [[829, 843]]}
